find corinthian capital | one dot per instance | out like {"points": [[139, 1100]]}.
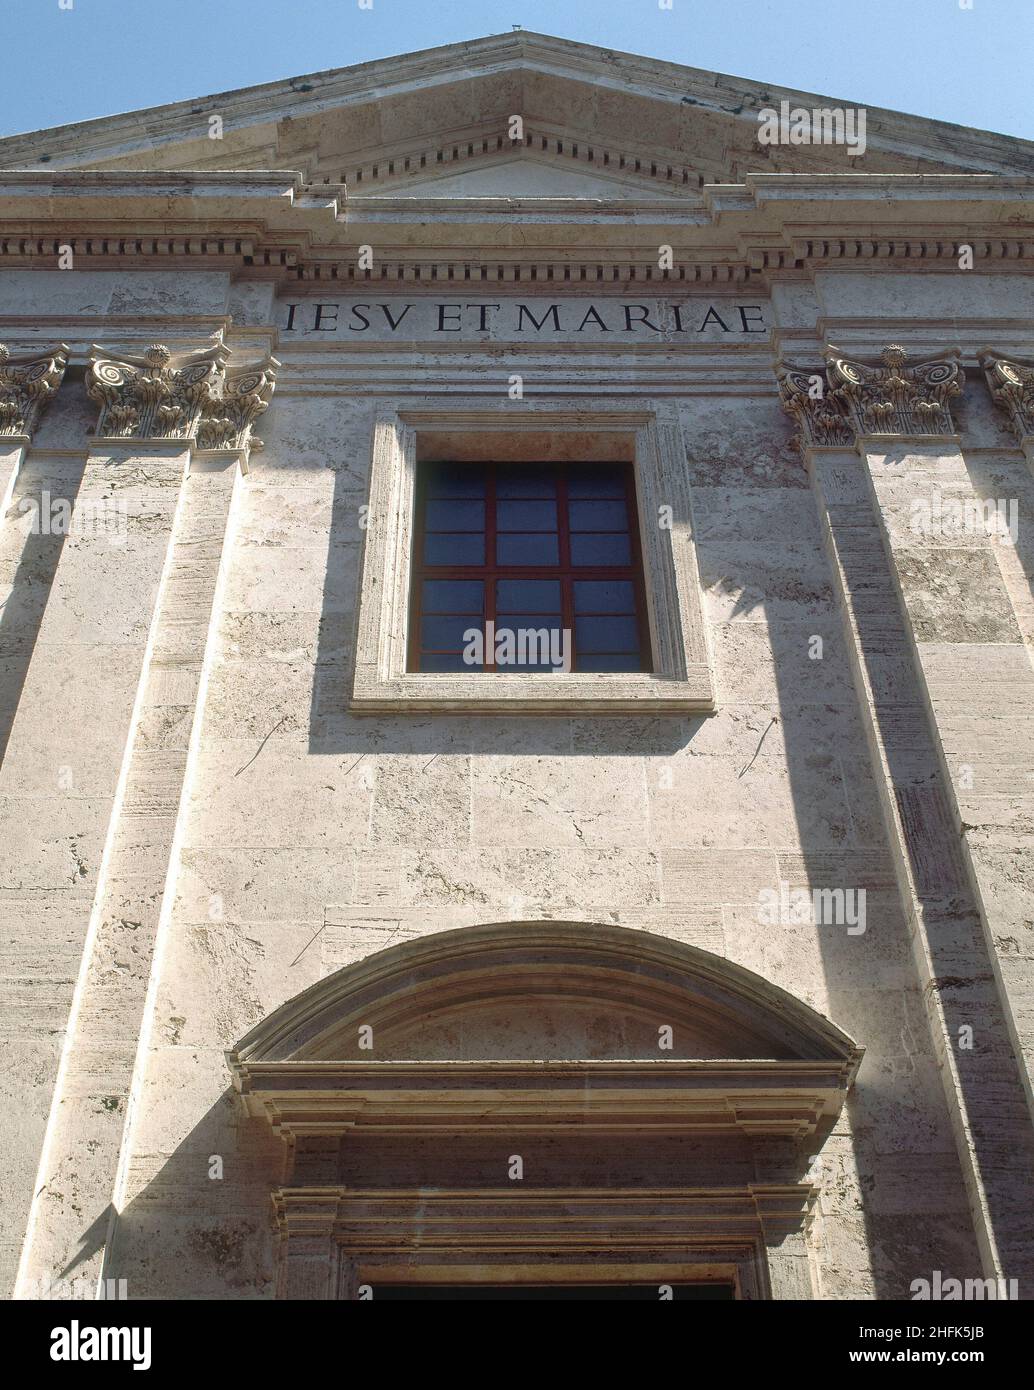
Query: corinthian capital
{"points": [[27, 386], [806, 400], [895, 399], [1012, 386], [228, 418], [155, 395]]}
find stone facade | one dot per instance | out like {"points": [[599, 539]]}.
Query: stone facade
{"points": [[323, 975]]}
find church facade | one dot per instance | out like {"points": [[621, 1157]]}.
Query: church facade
{"points": [[516, 704]]}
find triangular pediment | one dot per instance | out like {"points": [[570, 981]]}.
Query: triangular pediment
{"points": [[522, 176], [629, 122]]}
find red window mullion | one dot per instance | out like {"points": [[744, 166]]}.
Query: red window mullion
{"points": [[490, 572], [416, 586], [564, 540], [490, 558], [638, 584]]}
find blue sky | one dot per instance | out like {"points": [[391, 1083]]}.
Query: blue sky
{"points": [[931, 57]]}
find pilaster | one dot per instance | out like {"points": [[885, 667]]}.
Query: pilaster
{"points": [[27, 386], [155, 727], [923, 613], [310, 1256]]}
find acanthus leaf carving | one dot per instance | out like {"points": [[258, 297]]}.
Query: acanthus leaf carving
{"points": [[228, 418], [27, 386], [806, 399], [894, 398], [156, 394], [1011, 384]]}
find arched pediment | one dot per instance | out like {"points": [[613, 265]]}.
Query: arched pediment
{"points": [[536, 1017], [411, 992]]}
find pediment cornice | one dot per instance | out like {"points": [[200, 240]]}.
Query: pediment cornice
{"points": [[345, 117], [781, 1069]]}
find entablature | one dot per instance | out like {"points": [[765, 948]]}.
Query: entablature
{"points": [[273, 225]]}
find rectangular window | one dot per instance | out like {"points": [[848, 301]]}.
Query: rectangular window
{"points": [[604, 604], [527, 567]]}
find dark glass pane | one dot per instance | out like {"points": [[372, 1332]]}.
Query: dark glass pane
{"points": [[596, 480], [454, 516], [526, 516], [455, 480], [604, 596], [446, 662], [531, 649], [608, 634], [535, 620], [452, 549], [525, 528], [598, 516], [527, 596], [601, 550], [453, 596], [447, 634], [514, 549], [525, 482], [608, 663]]}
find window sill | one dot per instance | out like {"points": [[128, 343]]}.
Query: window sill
{"points": [[533, 693]]}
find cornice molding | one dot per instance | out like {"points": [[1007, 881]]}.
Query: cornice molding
{"points": [[27, 386], [670, 1217], [760, 1099], [658, 84], [392, 167], [272, 225]]}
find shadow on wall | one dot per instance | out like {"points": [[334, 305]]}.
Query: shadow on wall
{"points": [[900, 1150], [202, 1226], [791, 726], [770, 590], [21, 615]]}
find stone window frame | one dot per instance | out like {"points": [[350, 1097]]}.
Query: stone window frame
{"points": [[681, 681], [334, 1240], [742, 1265]]}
